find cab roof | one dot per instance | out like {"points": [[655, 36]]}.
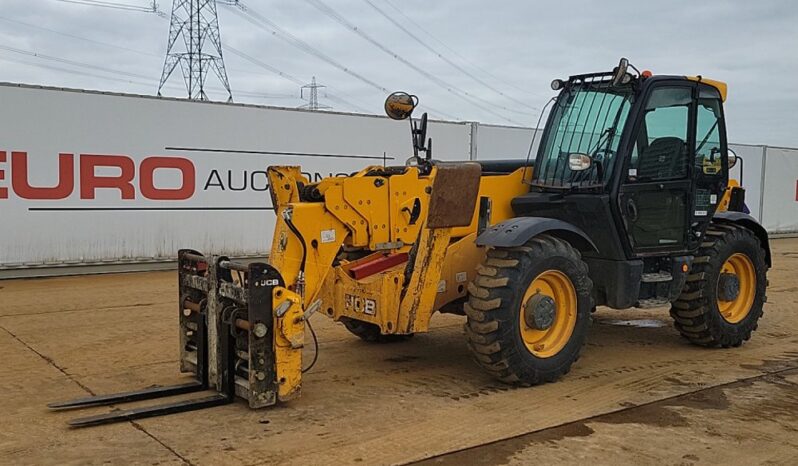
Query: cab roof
{"points": [[719, 85]]}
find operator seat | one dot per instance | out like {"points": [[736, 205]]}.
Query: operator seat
{"points": [[664, 159]]}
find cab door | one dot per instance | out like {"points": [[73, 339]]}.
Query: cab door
{"points": [[655, 187], [672, 181]]}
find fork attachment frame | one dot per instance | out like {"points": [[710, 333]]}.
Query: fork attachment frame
{"points": [[226, 342]]}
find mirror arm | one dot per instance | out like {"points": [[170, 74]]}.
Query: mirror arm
{"points": [[740, 161], [419, 132], [414, 136]]}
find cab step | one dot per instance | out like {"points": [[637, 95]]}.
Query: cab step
{"points": [[651, 303], [657, 277]]}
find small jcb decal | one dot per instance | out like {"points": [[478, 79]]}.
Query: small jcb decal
{"points": [[359, 304]]}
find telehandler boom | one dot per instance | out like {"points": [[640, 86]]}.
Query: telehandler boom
{"points": [[628, 203]]}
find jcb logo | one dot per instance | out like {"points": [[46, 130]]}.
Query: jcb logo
{"points": [[89, 181], [358, 304]]}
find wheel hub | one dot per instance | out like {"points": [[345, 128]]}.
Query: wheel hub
{"points": [[540, 312], [728, 287]]}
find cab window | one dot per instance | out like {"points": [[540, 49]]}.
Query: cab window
{"points": [[660, 152], [708, 158]]}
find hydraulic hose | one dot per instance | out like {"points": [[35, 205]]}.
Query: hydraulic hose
{"points": [[300, 279], [296, 232]]}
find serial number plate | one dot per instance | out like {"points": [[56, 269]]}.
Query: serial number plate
{"points": [[359, 304]]}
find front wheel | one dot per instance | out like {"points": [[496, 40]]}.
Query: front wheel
{"points": [[529, 311], [724, 294]]}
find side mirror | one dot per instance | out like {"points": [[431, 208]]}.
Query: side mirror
{"points": [[579, 162], [620, 76], [400, 105], [732, 156]]}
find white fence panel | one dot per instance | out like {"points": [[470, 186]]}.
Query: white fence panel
{"points": [[751, 170], [780, 213]]}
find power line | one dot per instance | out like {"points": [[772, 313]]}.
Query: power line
{"points": [[444, 58], [72, 36], [152, 8], [104, 44], [117, 72], [71, 62], [257, 19], [454, 52], [468, 97], [263, 65], [270, 27], [289, 77], [92, 75], [78, 72], [196, 22], [271, 68]]}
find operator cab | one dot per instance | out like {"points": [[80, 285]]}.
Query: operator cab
{"points": [[639, 163]]}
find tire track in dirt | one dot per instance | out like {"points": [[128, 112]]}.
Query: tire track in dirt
{"points": [[654, 413]]}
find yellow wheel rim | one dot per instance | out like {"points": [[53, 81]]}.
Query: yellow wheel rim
{"points": [[557, 286], [737, 309]]}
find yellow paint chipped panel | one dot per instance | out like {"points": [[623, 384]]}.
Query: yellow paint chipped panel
{"points": [[417, 306], [459, 267]]}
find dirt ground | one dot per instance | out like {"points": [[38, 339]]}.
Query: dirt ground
{"points": [[639, 394]]}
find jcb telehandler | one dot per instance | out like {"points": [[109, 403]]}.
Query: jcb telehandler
{"points": [[627, 204]]}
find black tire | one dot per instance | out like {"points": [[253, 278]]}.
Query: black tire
{"points": [[493, 329], [370, 332], [696, 313]]}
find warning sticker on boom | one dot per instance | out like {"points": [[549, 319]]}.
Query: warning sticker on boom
{"points": [[327, 236]]}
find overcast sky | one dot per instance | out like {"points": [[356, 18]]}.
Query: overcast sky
{"points": [[505, 53]]}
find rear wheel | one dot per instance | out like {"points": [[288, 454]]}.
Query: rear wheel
{"points": [[529, 311], [722, 300], [370, 332]]}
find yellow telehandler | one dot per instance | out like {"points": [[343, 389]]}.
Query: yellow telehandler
{"points": [[628, 203]]}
